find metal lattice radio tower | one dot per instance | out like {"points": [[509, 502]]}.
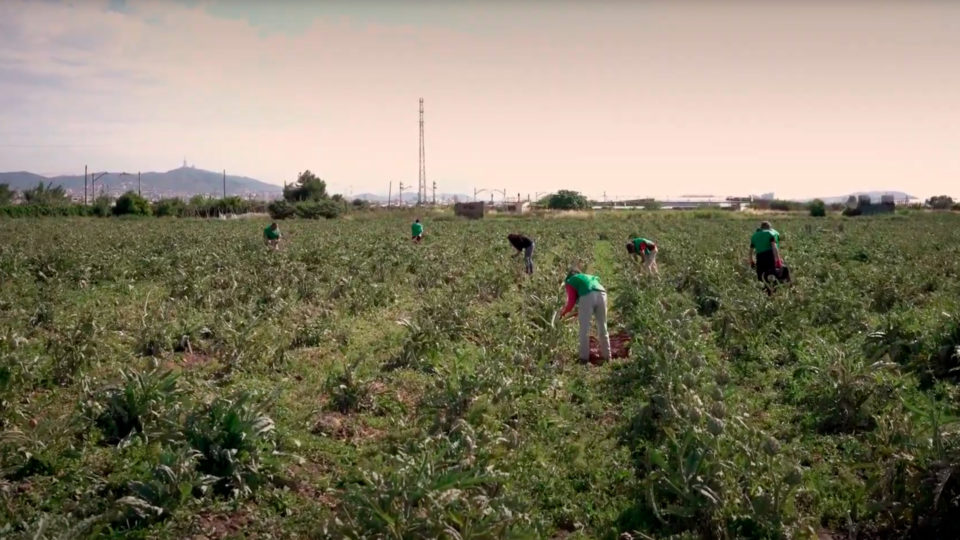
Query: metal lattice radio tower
{"points": [[422, 193]]}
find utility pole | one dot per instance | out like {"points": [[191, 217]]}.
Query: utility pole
{"points": [[389, 194], [139, 193], [422, 193], [93, 184], [400, 202], [224, 183], [84, 185], [434, 192]]}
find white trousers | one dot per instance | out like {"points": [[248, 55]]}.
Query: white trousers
{"points": [[593, 305]]}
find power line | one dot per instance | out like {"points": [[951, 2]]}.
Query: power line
{"points": [[422, 193]]}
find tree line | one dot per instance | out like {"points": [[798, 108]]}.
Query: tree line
{"points": [[307, 197]]}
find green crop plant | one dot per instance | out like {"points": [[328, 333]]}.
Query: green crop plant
{"points": [[455, 404], [141, 404], [235, 440]]}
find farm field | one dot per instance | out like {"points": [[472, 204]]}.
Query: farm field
{"points": [[167, 378]]}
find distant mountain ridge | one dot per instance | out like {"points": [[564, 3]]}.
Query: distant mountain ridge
{"points": [[182, 182]]}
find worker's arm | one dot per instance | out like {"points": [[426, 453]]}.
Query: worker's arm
{"points": [[571, 300], [750, 257], [776, 252]]}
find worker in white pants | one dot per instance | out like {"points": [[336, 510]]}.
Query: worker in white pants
{"points": [[586, 292]]}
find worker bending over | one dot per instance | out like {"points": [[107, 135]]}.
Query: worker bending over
{"points": [[271, 236], [523, 245], [765, 243], [646, 250], [586, 292], [417, 230]]}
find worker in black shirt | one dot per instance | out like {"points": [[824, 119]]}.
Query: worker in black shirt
{"points": [[523, 245]]}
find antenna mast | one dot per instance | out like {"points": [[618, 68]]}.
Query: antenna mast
{"points": [[422, 193]]}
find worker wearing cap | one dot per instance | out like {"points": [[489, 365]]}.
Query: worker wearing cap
{"points": [[586, 292]]}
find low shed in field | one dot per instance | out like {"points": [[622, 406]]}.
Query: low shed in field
{"points": [[472, 210]]}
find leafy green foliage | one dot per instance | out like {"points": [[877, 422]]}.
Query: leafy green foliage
{"points": [[171, 207], [131, 204], [318, 209], [6, 194], [449, 394], [308, 187], [435, 488], [139, 405], [281, 209], [785, 206], [817, 208], [940, 202], [48, 195], [102, 206], [566, 199], [234, 438]]}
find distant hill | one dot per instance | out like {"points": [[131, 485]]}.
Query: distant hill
{"points": [[182, 182]]}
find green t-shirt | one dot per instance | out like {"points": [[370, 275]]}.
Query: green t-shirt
{"points": [[417, 229], [584, 284], [643, 243], [271, 234], [760, 241]]}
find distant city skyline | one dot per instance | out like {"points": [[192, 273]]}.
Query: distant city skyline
{"points": [[633, 98]]}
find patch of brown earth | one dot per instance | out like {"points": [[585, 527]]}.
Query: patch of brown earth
{"points": [[619, 347], [302, 481], [227, 525]]}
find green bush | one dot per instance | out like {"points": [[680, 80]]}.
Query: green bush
{"points": [[230, 205], [6, 194], [281, 209], [174, 207], [566, 199], [785, 206], [235, 439], [360, 204], [817, 208], [131, 204], [46, 195], [940, 202], [102, 206], [39, 210], [141, 401], [318, 209], [308, 187]]}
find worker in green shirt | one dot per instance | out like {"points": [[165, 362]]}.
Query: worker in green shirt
{"points": [[271, 236], [417, 230], [646, 250], [586, 292], [765, 244]]}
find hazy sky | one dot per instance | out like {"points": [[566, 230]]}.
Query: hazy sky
{"points": [[801, 98]]}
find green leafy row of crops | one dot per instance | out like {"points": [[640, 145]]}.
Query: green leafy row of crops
{"points": [[176, 378]]}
